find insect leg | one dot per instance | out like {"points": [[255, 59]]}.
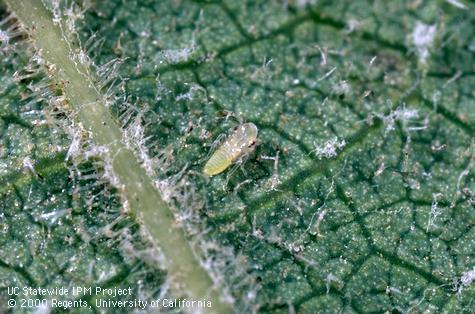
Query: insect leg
{"points": [[231, 172]]}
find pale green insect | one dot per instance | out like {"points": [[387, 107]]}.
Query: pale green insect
{"points": [[236, 145]]}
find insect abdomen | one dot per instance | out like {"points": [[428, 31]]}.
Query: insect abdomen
{"points": [[218, 162]]}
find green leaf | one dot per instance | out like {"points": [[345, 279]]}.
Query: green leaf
{"points": [[359, 196]]}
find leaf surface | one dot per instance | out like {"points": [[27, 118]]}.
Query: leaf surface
{"points": [[359, 195]]}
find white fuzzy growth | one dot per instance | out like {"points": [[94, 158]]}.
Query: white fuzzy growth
{"points": [[53, 216], [435, 210], [423, 38], [28, 164], [228, 270], [405, 115], [56, 8], [82, 57], [329, 149], [468, 277], [342, 88], [160, 89], [274, 181], [167, 191], [9, 29], [191, 93], [103, 153], [352, 25], [304, 3], [67, 13], [4, 38], [178, 55], [96, 151], [74, 13], [75, 147], [134, 138], [457, 4]]}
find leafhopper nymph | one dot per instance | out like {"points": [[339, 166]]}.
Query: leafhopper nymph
{"points": [[237, 145]]}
